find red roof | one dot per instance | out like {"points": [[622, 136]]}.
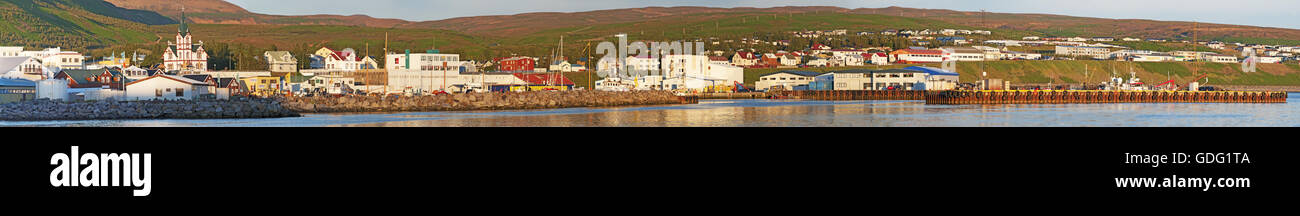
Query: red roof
{"points": [[542, 79], [746, 55], [916, 51]]}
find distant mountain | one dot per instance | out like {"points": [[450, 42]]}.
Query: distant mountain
{"points": [[1059, 25], [73, 23], [1042, 24], [222, 12]]}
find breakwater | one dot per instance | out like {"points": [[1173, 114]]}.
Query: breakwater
{"points": [[1076, 97], [732, 96], [236, 108], [484, 101]]}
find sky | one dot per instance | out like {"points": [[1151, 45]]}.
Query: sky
{"points": [[1269, 13]]}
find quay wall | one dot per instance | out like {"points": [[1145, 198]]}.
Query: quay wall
{"points": [[742, 95], [236, 108], [1262, 88], [484, 101], [1082, 97]]}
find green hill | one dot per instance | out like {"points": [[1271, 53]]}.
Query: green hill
{"points": [[73, 24]]}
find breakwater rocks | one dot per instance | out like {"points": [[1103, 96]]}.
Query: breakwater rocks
{"points": [[483, 101], [46, 110]]}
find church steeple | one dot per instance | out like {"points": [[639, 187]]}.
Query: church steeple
{"points": [[184, 28]]}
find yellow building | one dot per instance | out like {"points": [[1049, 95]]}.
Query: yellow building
{"points": [[263, 85]]}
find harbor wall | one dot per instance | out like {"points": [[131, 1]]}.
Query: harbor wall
{"points": [[1083, 97], [484, 101], [52, 110], [1262, 88]]}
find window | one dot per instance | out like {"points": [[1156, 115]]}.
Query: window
{"points": [[157, 92], [180, 92], [893, 76]]}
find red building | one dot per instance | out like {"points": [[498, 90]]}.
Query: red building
{"points": [[96, 78], [516, 64]]}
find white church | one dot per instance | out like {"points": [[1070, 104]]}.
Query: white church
{"points": [[184, 55]]}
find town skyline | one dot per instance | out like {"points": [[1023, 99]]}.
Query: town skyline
{"points": [[1264, 13]]}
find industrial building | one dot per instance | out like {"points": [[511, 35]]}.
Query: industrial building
{"points": [[911, 78], [786, 79]]}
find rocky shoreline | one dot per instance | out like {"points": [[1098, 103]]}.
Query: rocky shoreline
{"points": [[483, 101], [242, 108], [237, 108]]}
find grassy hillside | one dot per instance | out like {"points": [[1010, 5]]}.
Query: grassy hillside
{"points": [[70, 24], [1150, 72]]}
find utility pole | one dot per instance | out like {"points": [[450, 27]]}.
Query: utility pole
{"points": [[385, 61], [982, 24]]}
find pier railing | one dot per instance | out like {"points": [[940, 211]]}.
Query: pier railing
{"points": [[1082, 97]]}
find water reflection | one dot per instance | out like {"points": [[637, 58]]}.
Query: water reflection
{"points": [[786, 113]]}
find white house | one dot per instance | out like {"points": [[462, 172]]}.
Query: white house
{"points": [[281, 61], [23, 67], [57, 58], [790, 59], [878, 58], [565, 66], [817, 62], [744, 59], [346, 60], [166, 87]]}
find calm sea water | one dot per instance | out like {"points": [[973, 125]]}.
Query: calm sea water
{"points": [[786, 113]]}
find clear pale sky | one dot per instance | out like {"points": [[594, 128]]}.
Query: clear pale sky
{"points": [[1270, 13]]}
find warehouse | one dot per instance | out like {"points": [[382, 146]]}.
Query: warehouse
{"points": [[15, 90], [786, 79], [911, 78]]}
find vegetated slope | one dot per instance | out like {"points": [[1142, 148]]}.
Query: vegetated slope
{"points": [[72, 24], [1060, 25]]}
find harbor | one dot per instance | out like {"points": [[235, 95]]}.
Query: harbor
{"points": [[779, 113]]}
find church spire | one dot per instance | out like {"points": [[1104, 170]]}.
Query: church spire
{"points": [[184, 28]]}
